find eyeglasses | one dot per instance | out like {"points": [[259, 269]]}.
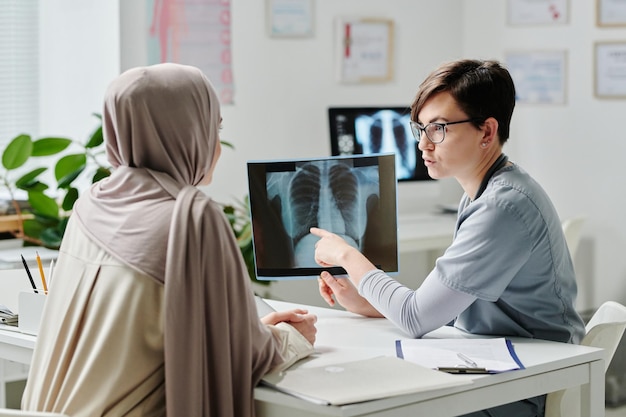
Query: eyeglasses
{"points": [[435, 132]]}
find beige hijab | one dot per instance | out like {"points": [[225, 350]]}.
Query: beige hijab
{"points": [[161, 127]]}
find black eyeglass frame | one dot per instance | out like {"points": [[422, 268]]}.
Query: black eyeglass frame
{"points": [[417, 129]]}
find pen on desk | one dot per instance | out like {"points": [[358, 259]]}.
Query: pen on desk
{"points": [[30, 277], [467, 360], [43, 276], [457, 370]]}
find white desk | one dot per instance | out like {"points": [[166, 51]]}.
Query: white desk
{"points": [[343, 337], [16, 346]]}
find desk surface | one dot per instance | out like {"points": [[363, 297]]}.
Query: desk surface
{"points": [[16, 346], [342, 337]]}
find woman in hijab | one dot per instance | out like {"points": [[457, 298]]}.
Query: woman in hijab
{"points": [[151, 311]]}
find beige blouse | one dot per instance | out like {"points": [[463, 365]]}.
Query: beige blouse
{"points": [[100, 350]]}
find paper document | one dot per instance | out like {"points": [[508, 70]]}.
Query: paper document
{"points": [[7, 316], [461, 355], [363, 380]]}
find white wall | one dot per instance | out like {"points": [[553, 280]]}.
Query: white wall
{"points": [[575, 150], [283, 87], [79, 56]]}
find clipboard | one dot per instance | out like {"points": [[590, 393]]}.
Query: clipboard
{"points": [[461, 356]]}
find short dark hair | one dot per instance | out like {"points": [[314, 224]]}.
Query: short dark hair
{"points": [[482, 89]]}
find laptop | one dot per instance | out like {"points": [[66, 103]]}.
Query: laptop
{"points": [[362, 380]]}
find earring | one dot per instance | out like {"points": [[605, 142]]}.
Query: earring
{"points": [[484, 144]]}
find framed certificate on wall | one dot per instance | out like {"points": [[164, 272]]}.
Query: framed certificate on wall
{"points": [[610, 69], [290, 18], [539, 76], [537, 12], [364, 50], [611, 13]]}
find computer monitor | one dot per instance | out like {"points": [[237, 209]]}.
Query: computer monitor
{"points": [[354, 197], [369, 130]]}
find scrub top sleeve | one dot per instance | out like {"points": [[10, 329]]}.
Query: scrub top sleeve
{"points": [[416, 312], [491, 245]]}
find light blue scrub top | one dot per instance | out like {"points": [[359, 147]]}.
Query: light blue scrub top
{"points": [[509, 251]]}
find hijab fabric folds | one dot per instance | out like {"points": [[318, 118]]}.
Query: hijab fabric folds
{"points": [[161, 128]]}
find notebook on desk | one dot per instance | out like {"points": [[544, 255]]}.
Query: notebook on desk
{"points": [[363, 380]]}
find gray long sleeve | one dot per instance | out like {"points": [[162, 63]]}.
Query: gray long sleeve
{"points": [[417, 312]]}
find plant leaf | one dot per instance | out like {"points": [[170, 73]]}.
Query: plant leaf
{"points": [[35, 186], [17, 152], [68, 168], [70, 199], [33, 228], [43, 205], [101, 173], [96, 139], [50, 146], [51, 238], [227, 144], [26, 181]]}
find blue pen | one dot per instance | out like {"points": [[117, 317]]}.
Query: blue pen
{"points": [[30, 277]]}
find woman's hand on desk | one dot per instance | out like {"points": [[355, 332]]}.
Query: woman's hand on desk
{"points": [[346, 294], [300, 319]]}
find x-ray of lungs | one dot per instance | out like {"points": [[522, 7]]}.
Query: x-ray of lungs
{"points": [[388, 131], [327, 194], [352, 197]]}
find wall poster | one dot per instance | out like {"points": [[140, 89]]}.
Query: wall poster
{"points": [[193, 32]]}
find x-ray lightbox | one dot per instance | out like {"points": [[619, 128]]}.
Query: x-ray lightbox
{"points": [[354, 197]]}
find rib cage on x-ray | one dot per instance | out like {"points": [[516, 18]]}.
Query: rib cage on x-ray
{"points": [[327, 194], [304, 196], [388, 131]]}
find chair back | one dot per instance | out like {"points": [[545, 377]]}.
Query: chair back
{"points": [[572, 229], [604, 330]]}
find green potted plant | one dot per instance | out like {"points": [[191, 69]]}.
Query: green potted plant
{"points": [[49, 207]]}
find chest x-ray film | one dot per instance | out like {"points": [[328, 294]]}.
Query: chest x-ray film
{"points": [[374, 130], [354, 197]]}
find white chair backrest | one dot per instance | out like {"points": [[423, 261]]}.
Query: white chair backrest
{"points": [[572, 229], [6, 412], [604, 330]]}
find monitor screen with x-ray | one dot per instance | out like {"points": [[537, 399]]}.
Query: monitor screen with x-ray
{"points": [[371, 130], [353, 197]]}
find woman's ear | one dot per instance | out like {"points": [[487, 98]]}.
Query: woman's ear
{"points": [[490, 129]]}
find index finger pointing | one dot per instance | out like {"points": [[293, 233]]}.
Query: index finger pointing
{"points": [[319, 232]]}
